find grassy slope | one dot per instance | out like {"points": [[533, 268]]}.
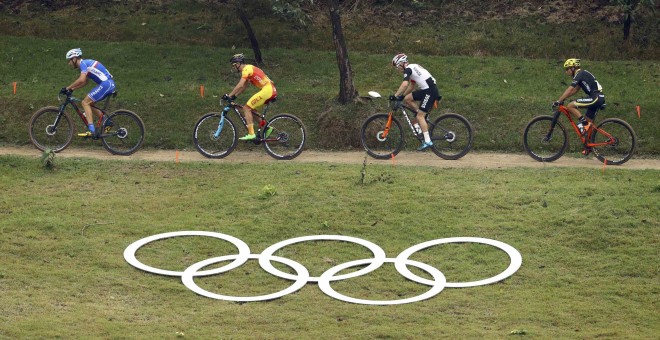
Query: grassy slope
{"points": [[161, 55], [166, 93], [586, 272]]}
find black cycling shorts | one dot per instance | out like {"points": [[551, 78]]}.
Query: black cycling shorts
{"points": [[591, 104], [426, 97]]}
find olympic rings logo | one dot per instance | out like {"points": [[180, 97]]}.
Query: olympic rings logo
{"points": [[302, 277]]}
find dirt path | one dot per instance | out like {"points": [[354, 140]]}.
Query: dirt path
{"points": [[471, 160]]}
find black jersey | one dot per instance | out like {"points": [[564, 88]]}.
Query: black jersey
{"points": [[587, 82]]}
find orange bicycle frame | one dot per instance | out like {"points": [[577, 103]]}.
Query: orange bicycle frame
{"points": [[592, 129]]}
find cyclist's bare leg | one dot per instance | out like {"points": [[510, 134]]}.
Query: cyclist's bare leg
{"points": [[410, 102], [87, 106], [247, 113], [573, 110]]}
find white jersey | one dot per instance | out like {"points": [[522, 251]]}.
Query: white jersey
{"points": [[419, 75]]}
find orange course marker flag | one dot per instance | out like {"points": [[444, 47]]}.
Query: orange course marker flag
{"points": [[639, 112]]}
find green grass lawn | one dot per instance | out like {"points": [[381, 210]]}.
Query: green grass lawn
{"points": [[588, 240], [499, 95]]}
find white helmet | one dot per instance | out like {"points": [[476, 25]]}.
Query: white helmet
{"points": [[76, 52], [399, 59]]}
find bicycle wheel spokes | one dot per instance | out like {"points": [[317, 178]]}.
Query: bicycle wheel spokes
{"points": [[539, 144], [287, 137], [213, 140], [452, 136], [122, 133], [618, 148], [48, 133], [378, 142]]}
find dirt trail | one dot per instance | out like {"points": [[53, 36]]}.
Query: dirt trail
{"points": [[471, 160]]}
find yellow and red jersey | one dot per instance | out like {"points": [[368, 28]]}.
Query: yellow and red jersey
{"points": [[256, 76]]}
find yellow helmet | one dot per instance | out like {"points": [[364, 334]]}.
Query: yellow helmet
{"points": [[573, 62]]}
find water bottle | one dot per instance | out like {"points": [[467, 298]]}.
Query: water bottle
{"points": [[418, 128]]}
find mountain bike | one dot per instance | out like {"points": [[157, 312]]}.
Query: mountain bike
{"points": [[51, 127], [383, 135], [545, 139], [283, 136]]}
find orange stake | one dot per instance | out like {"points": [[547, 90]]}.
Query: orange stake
{"points": [[639, 111], [201, 90], [14, 87], [177, 157], [604, 164], [393, 161]]}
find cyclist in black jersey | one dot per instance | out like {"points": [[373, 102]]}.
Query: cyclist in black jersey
{"points": [[588, 83], [427, 93]]}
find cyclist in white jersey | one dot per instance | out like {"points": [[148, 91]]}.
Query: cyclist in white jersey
{"points": [[89, 69], [426, 95]]}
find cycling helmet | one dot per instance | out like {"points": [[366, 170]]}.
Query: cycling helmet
{"points": [[573, 62], [237, 59], [399, 59], [76, 52]]}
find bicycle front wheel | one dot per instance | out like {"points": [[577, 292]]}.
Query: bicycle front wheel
{"points": [[214, 139], [378, 143], [123, 133], [50, 130], [452, 136], [618, 148], [284, 136], [542, 144]]}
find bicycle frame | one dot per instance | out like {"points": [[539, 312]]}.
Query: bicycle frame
{"points": [[584, 138], [403, 109], [72, 101], [236, 108]]}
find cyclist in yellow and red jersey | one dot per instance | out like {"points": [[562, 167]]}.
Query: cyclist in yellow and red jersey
{"points": [[254, 75]]}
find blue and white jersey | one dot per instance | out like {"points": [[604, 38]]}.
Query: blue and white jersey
{"points": [[95, 70]]}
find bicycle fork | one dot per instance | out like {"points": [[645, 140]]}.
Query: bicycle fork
{"points": [[382, 136], [555, 118], [221, 123]]}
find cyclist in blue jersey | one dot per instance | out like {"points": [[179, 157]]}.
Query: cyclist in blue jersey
{"points": [[94, 70], [427, 93]]}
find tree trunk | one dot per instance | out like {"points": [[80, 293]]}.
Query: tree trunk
{"points": [[250, 32], [347, 91], [626, 26]]}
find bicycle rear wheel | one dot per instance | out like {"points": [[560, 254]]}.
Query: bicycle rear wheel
{"points": [[287, 137], [540, 144], [376, 143], [47, 131], [620, 147], [452, 136], [212, 140], [122, 133]]}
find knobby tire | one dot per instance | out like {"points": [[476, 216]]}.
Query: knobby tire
{"points": [[452, 136], [536, 144], [40, 129], [372, 137], [205, 141], [624, 147], [122, 133], [287, 138]]}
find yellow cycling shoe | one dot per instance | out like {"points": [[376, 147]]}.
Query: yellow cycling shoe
{"points": [[85, 134], [248, 137]]}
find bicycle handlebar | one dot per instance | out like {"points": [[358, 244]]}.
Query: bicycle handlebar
{"points": [[68, 96]]}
